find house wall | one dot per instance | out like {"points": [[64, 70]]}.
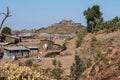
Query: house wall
{"points": [[15, 53], [50, 45], [9, 39], [53, 37], [34, 51], [48, 42]]}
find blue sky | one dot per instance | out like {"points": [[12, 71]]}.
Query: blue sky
{"points": [[33, 14]]}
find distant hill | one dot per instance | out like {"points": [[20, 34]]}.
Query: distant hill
{"points": [[63, 27]]}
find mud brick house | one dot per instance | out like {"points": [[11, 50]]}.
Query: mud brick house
{"points": [[50, 45]]}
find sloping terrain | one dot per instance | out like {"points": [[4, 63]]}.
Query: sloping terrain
{"points": [[90, 49], [105, 62], [106, 68], [103, 54], [63, 27]]}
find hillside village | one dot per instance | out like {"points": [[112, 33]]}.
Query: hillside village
{"points": [[63, 51], [37, 39], [30, 45], [33, 44]]}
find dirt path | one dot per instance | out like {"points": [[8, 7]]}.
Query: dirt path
{"points": [[65, 60]]}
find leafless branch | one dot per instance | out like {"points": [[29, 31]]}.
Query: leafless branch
{"points": [[2, 13], [6, 16]]}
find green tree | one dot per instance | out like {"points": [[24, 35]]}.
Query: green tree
{"points": [[54, 62], [77, 68], [57, 70], [112, 25], [6, 30], [93, 16]]}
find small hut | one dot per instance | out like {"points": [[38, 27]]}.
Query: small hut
{"points": [[33, 49], [49, 44], [18, 51]]}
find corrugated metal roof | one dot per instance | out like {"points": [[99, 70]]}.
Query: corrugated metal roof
{"points": [[16, 48], [14, 37], [32, 47], [3, 43]]}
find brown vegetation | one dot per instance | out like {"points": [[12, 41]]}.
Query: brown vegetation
{"points": [[63, 27], [106, 68]]}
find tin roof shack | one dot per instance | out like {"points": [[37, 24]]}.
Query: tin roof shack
{"points": [[18, 51], [13, 39], [33, 49], [29, 35], [7, 39], [46, 36]]}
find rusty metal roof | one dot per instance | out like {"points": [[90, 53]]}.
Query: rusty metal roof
{"points": [[16, 48]]}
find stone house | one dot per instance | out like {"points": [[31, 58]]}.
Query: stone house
{"points": [[50, 45]]}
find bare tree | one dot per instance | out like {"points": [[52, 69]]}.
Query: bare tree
{"points": [[6, 16]]}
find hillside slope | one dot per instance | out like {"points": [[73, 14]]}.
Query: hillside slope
{"points": [[63, 27], [106, 68], [104, 62], [101, 63]]}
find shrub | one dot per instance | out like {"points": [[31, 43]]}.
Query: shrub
{"points": [[93, 41], [16, 72], [28, 62], [63, 47], [69, 38], [88, 64], [78, 42], [57, 70], [54, 62], [56, 73], [97, 56], [118, 66], [6, 30], [77, 68], [108, 26], [80, 35]]}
